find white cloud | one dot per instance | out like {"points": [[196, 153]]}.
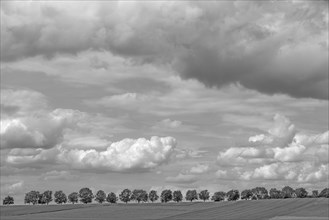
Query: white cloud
{"points": [[282, 154], [58, 175], [125, 155], [168, 124], [199, 169], [37, 131], [182, 178]]}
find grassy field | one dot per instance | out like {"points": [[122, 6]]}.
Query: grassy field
{"points": [[301, 209]]}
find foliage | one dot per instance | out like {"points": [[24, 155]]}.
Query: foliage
{"points": [[301, 193], [73, 197], [153, 196], [86, 195], [260, 192], [246, 194], [287, 192], [315, 193], [111, 198], [100, 196], [233, 195], [218, 196], [166, 195], [32, 197], [8, 200], [45, 197], [139, 195], [125, 195], [275, 194], [324, 193], [177, 196], [60, 197], [191, 195], [204, 195]]}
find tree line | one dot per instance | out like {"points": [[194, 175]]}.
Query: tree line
{"points": [[85, 195]]}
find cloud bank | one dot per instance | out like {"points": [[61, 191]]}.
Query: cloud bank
{"points": [[280, 47]]}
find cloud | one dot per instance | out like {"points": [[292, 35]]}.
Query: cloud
{"points": [[39, 130], [168, 124], [182, 178], [58, 175], [281, 47], [12, 188], [281, 154], [199, 169], [125, 155]]}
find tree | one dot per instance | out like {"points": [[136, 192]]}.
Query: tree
{"points": [[111, 198], [315, 193], [204, 195], [246, 194], [177, 196], [287, 192], [153, 196], [166, 195], [275, 194], [32, 197], [301, 193], [260, 192], [8, 200], [86, 195], [100, 196], [218, 196], [46, 197], [73, 197], [324, 193], [233, 195], [60, 197], [139, 195], [125, 195], [191, 195]]}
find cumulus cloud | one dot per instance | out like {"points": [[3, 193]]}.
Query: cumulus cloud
{"points": [[182, 178], [199, 169], [39, 130], [122, 156], [278, 45], [125, 155], [283, 153], [58, 175]]}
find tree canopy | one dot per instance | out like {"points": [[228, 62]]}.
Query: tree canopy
{"points": [[177, 196], [204, 195], [8, 200], [191, 195], [86, 195], [60, 197], [153, 196], [73, 197], [125, 195], [166, 195]]}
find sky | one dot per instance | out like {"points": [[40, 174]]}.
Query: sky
{"points": [[213, 95]]}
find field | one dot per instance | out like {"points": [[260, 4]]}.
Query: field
{"points": [[301, 209]]}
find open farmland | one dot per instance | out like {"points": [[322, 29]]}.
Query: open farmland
{"points": [[262, 209]]}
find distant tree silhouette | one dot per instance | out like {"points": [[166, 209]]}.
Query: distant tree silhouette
{"points": [[153, 196], [301, 193], [204, 195], [125, 195], [139, 195], [45, 197], [191, 195], [166, 195], [86, 195], [218, 196], [315, 193], [32, 197], [324, 193], [8, 200], [60, 197], [260, 192], [275, 194], [177, 196], [100, 196], [111, 198], [73, 197], [233, 195], [287, 192], [246, 194]]}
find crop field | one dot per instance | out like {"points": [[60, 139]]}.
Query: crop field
{"points": [[279, 209]]}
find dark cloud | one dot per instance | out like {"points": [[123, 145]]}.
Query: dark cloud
{"points": [[271, 47]]}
